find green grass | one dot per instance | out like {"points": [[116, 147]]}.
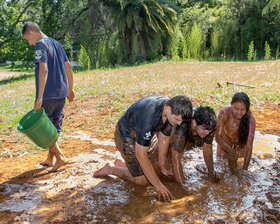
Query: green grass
{"points": [[120, 87]]}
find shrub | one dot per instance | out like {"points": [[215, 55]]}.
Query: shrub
{"points": [[83, 58], [267, 51], [251, 51]]}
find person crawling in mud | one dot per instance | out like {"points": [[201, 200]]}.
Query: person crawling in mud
{"points": [[133, 137], [199, 132], [235, 131]]}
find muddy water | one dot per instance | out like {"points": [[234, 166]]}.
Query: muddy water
{"points": [[75, 196], [251, 197]]}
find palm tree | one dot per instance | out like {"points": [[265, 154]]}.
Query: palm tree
{"points": [[141, 20], [271, 5]]}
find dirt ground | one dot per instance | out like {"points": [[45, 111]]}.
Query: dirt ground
{"points": [[7, 74], [81, 116]]}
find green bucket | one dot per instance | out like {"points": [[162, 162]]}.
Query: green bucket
{"points": [[38, 127]]}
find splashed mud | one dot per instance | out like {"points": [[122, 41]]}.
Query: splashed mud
{"points": [[73, 195]]}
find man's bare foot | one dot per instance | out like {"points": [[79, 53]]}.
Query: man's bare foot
{"points": [[119, 163], [47, 163], [58, 164], [104, 171]]}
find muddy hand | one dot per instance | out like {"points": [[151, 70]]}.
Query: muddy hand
{"points": [[164, 194], [166, 173], [233, 155], [215, 177], [232, 162]]}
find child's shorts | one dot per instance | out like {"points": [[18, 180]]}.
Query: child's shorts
{"points": [[54, 110]]}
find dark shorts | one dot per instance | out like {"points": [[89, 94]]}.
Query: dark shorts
{"points": [[126, 146], [54, 110]]}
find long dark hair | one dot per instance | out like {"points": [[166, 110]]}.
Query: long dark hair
{"points": [[243, 129]]}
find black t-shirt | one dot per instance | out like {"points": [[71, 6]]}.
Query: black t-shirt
{"points": [[143, 119], [183, 139]]}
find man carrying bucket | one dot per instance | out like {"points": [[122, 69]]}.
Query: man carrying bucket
{"points": [[54, 82]]}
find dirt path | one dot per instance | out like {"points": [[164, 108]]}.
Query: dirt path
{"points": [[72, 194], [6, 74]]}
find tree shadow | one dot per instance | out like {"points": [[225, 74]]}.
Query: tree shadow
{"points": [[15, 79], [28, 176]]}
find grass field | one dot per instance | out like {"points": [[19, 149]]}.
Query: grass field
{"points": [[73, 195], [205, 83]]}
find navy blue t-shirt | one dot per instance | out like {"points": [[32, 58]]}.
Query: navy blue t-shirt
{"points": [[145, 118], [50, 51]]}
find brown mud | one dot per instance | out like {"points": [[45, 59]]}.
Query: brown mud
{"points": [[29, 194]]}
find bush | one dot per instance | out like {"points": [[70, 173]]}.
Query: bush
{"points": [[251, 51], [267, 51], [83, 58]]}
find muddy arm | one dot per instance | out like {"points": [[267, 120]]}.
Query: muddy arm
{"points": [[163, 144], [249, 145], [220, 135], [208, 159], [177, 146], [150, 174], [248, 153], [177, 166]]}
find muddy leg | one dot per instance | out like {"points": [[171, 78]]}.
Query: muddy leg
{"points": [[220, 151], [61, 160], [232, 162], [121, 172]]}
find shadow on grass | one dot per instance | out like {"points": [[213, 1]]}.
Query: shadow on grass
{"points": [[16, 78]]}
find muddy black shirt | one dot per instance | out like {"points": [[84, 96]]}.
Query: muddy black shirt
{"points": [[143, 119], [183, 139]]}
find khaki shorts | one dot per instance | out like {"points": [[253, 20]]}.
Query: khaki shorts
{"points": [[126, 146]]}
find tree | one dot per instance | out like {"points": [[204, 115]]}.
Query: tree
{"points": [[144, 18], [271, 6], [55, 17], [194, 42]]}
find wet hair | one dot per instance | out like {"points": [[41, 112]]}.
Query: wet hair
{"points": [[181, 105], [30, 26], [206, 117], [243, 129]]}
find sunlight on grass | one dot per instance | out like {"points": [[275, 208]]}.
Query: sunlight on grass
{"points": [[205, 83]]}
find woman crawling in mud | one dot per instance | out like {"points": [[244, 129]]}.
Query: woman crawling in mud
{"points": [[235, 131]]}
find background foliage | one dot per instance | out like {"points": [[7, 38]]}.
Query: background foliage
{"points": [[114, 32]]}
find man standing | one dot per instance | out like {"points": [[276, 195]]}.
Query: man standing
{"points": [[54, 82], [133, 136], [200, 133]]}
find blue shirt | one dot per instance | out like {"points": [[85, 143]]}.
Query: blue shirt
{"points": [[50, 51], [145, 118]]}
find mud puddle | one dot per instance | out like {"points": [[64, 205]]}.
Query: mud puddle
{"points": [[73, 195]]}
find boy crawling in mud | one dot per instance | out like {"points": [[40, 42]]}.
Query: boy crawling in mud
{"points": [[236, 131], [133, 137], [54, 82], [197, 133]]}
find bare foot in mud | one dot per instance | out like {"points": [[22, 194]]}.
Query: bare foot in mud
{"points": [[119, 163], [47, 163], [104, 171], [58, 164]]}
